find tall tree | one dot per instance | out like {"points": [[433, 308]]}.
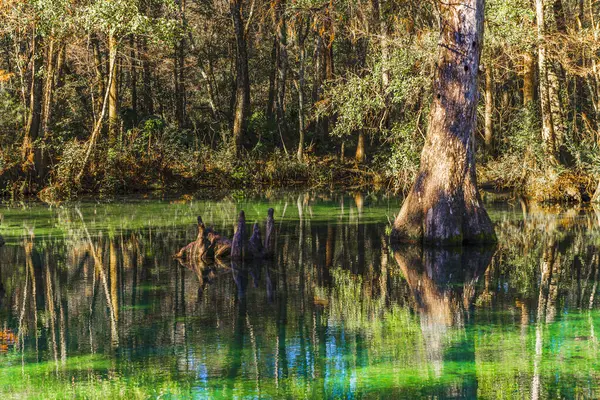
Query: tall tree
{"points": [[242, 80], [444, 205], [548, 134], [113, 96]]}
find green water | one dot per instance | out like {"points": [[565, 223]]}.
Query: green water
{"points": [[92, 305]]}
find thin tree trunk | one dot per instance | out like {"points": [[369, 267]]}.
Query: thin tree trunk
{"points": [[444, 205], [48, 86], [92, 141], [302, 34], [282, 62], [180, 73], [528, 79], [596, 196], [113, 108], [133, 72], [359, 156], [99, 72], [548, 135], [242, 92], [32, 131], [272, 78], [489, 108], [147, 98]]}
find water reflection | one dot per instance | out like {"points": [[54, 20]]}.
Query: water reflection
{"points": [[443, 286], [100, 311]]}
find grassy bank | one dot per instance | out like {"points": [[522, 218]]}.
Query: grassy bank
{"points": [[127, 171]]}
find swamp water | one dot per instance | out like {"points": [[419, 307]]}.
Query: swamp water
{"points": [[94, 306]]}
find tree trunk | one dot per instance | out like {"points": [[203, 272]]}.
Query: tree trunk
{"points": [[113, 108], [133, 73], [528, 79], [282, 62], [242, 92], [359, 156], [489, 109], [147, 98], [48, 86], [272, 77], [32, 131], [99, 73], [596, 196], [444, 205], [548, 135], [179, 61], [302, 34]]}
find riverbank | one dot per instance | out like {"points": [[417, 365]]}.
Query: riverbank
{"points": [[111, 173]]}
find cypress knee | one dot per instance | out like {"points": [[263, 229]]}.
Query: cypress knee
{"points": [[239, 247], [255, 245]]}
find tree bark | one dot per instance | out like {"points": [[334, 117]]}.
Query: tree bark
{"points": [[48, 86], [444, 205], [32, 131], [359, 156], [147, 98], [548, 134], [242, 92], [528, 79], [302, 34], [282, 62], [596, 196], [113, 108], [179, 71], [133, 74], [489, 108]]}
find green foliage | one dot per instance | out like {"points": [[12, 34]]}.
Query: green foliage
{"points": [[12, 114], [401, 161], [123, 17]]}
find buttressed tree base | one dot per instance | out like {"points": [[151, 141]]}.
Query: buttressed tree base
{"points": [[444, 205]]}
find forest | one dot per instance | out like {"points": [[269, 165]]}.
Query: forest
{"points": [[121, 96]]}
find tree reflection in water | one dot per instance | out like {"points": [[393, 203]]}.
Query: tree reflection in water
{"points": [[95, 306]]}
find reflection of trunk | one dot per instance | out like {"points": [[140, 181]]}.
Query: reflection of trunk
{"points": [[546, 272], [99, 266], [330, 246], [444, 205], [442, 283], [114, 294], [29, 263], [51, 312], [236, 348]]}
